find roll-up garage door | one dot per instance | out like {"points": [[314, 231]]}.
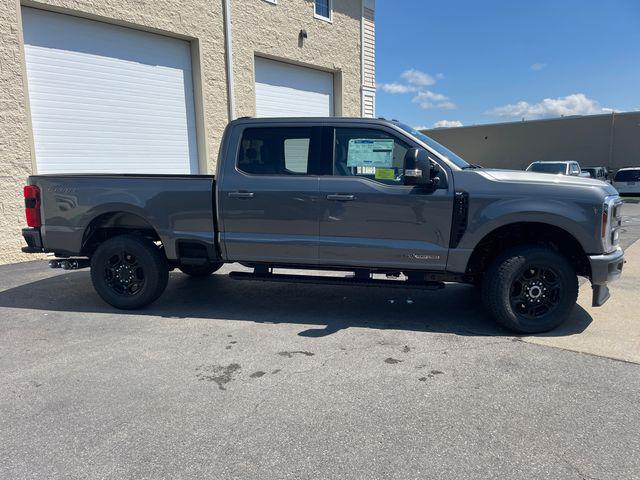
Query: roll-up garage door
{"points": [[108, 99], [285, 90]]}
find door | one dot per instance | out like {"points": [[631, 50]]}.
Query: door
{"points": [[369, 218], [285, 90], [108, 99], [269, 197]]}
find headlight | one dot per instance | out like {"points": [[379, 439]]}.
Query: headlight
{"points": [[611, 222]]}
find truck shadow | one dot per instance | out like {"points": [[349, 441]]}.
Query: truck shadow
{"points": [[320, 309]]}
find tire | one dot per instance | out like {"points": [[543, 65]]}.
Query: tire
{"points": [[530, 289], [200, 271], [129, 272]]}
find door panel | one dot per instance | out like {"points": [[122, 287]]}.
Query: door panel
{"points": [[278, 223], [383, 226], [368, 217], [269, 197]]}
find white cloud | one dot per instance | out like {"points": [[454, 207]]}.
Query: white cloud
{"points": [[421, 127], [395, 87], [447, 124], [418, 78], [416, 81], [428, 99], [575, 104], [537, 66]]}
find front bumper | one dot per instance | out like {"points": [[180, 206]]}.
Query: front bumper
{"points": [[605, 268], [34, 240]]}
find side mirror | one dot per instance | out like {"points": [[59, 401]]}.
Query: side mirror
{"points": [[419, 169]]}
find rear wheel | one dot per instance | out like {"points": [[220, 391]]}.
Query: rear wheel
{"points": [[200, 270], [530, 289], [129, 272]]}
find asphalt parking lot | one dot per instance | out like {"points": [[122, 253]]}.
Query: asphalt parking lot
{"points": [[228, 379]]}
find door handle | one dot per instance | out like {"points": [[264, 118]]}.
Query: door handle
{"points": [[341, 197], [241, 194]]}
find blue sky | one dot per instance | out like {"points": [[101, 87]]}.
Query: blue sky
{"points": [[472, 61]]}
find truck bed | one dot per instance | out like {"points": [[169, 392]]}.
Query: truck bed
{"points": [[178, 208]]}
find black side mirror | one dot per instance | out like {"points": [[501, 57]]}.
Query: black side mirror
{"points": [[419, 169]]}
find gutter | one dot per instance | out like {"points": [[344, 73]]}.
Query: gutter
{"points": [[228, 43]]}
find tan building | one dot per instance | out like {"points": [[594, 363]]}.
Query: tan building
{"points": [[135, 86], [610, 140]]}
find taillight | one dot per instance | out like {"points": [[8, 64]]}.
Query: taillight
{"points": [[32, 205]]}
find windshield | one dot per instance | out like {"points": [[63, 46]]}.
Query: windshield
{"points": [[627, 176], [440, 149], [547, 168]]}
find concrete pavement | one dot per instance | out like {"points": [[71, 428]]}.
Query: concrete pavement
{"points": [[231, 379]]}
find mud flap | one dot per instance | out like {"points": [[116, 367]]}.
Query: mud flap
{"points": [[600, 295]]}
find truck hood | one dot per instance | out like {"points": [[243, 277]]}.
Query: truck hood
{"points": [[519, 176]]}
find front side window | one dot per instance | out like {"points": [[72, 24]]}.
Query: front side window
{"points": [[323, 9], [275, 151], [369, 153]]}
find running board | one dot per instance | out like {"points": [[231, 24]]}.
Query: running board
{"points": [[321, 280]]}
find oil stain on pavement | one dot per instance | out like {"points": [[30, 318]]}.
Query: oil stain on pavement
{"points": [[219, 374]]}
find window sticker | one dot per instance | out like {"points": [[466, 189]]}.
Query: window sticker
{"points": [[364, 152], [385, 173]]}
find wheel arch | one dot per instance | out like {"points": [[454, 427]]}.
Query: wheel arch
{"points": [[108, 224], [528, 233]]}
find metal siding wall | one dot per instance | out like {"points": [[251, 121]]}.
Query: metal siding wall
{"points": [[369, 48], [515, 145]]}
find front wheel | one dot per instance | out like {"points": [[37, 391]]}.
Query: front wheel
{"points": [[129, 271], [530, 289]]}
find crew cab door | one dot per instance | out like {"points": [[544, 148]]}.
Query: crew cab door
{"points": [[368, 217], [268, 195]]}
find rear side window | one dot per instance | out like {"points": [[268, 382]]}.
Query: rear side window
{"points": [[275, 151], [627, 176]]}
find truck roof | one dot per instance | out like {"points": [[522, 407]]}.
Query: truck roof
{"points": [[314, 120]]}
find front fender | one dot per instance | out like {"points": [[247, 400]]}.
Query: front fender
{"points": [[580, 220]]}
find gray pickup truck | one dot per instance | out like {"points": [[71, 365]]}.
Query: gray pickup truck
{"points": [[373, 198]]}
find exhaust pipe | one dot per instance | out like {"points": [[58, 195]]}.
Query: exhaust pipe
{"points": [[70, 264]]}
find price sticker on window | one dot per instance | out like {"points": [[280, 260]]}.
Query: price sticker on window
{"points": [[370, 152]]}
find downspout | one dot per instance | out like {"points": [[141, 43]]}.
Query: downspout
{"points": [[229, 60], [362, 58]]}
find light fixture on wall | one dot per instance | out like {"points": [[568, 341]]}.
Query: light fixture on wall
{"points": [[302, 36]]}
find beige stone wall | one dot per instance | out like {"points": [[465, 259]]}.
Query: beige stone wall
{"points": [[271, 30], [259, 27], [15, 151]]}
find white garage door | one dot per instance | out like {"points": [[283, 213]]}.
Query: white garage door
{"points": [[108, 99], [284, 90]]}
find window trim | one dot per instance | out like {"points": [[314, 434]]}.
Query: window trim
{"points": [[328, 19]]}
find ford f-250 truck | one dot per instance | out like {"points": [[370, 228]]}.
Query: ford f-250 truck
{"points": [[365, 196]]}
